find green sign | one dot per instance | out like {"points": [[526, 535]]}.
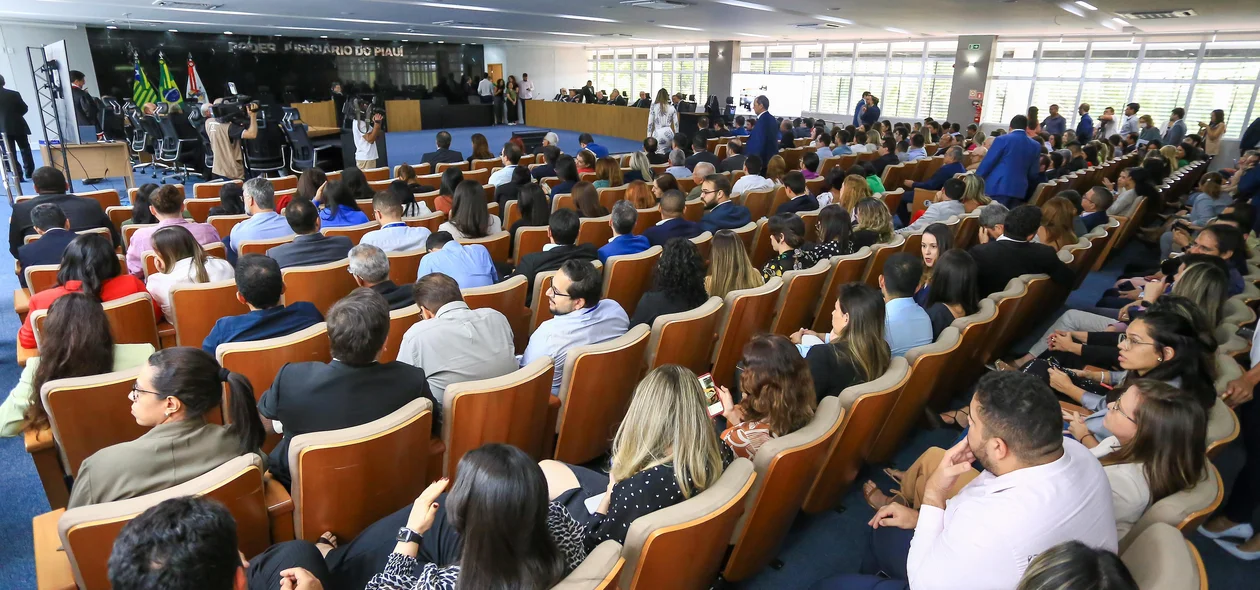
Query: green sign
{"points": [[974, 46]]}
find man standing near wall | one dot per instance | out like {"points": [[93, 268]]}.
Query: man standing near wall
{"points": [[526, 94], [485, 89], [12, 107], [857, 110], [763, 141]]}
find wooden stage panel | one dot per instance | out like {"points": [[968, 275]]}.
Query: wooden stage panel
{"points": [[320, 114], [403, 115], [597, 119]]}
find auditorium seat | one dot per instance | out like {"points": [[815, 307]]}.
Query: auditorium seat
{"points": [[608, 196], [693, 211], [562, 201], [595, 391], [224, 224], [601, 570], [967, 365], [379, 173], [629, 276], [1006, 301], [745, 312], [149, 258], [404, 266], [321, 284], [1185, 510], [260, 246], [928, 365], [260, 360], [967, 234], [1162, 559], [431, 221], [117, 215], [845, 269], [865, 405], [747, 233], [365, 205], [799, 297], [210, 190], [704, 243], [685, 338], [131, 193], [511, 213], [200, 208], [530, 240], [785, 467], [681, 547], [400, 320], [758, 203], [130, 230], [511, 409], [131, 320], [761, 251], [498, 245], [354, 232], [206, 304], [879, 255], [646, 219], [479, 176], [442, 166], [344, 480], [686, 184], [485, 164], [508, 298], [595, 230], [285, 183]]}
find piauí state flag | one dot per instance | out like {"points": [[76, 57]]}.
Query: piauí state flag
{"points": [[142, 91], [196, 89], [170, 92]]}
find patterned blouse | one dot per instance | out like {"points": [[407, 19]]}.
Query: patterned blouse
{"points": [[824, 251], [790, 260], [399, 571], [746, 438]]}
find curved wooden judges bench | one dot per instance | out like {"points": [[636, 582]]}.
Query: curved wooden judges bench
{"points": [[596, 119]]}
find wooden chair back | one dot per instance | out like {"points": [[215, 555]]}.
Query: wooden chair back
{"points": [[354, 232], [866, 406], [284, 183], [260, 360], [508, 298], [747, 234], [562, 201], [530, 240], [130, 230], [746, 312], [209, 190], [87, 414], [704, 243], [595, 230], [609, 196], [260, 246], [117, 215], [595, 391], [498, 244], [685, 338], [511, 409], [1006, 301], [685, 184], [400, 320], [693, 211], [321, 284], [965, 366], [200, 208], [479, 176], [405, 266], [879, 255], [484, 164], [203, 304], [1161, 558], [41, 277], [927, 367], [442, 166], [646, 219], [430, 221], [376, 174], [345, 480], [224, 224], [967, 233], [511, 213], [799, 298], [629, 276], [780, 197], [761, 251], [844, 269], [148, 259], [758, 203], [1185, 510]]}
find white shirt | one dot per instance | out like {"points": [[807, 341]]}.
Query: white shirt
{"points": [[160, 284], [364, 150], [397, 237], [1125, 204], [988, 533], [485, 87], [1130, 492], [526, 90], [556, 336], [459, 344], [502, 176], [495, 226], [749, 183]]}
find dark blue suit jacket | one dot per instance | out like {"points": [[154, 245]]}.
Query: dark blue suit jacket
{"points": [[728, 215], [46, 250], [805, 202], [1094, 219], [1010, 166], [441, 156], [764, 139], [943, 173], [677, 227]]}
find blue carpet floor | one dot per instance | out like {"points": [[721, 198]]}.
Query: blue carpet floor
{"points": [[818, 545]]}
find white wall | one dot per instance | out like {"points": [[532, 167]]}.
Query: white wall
{"points": [[14, 39], [549, 68]]}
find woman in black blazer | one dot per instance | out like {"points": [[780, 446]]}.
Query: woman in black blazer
{"points": [[679, 283]]}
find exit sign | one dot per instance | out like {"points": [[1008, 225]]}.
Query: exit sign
{"points": [[974, 46]]}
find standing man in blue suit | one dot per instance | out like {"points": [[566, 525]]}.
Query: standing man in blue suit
{"points": [[1011, 165], [857, 110], [764, 139]]}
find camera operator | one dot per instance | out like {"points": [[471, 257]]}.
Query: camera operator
{"points": [[225, 135], [365, 136]]}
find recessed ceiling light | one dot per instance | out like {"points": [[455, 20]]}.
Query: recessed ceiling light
{"points": [[832, 19], [323, 36], [172, 30], [752, 35], [566, 34], [748, 5], [278, 35], [1072, 9], [227, 32], [441, 42], [111, 27], [367, 39], [680, 28], [1121, 22], [1086, 5], [896, 30]]}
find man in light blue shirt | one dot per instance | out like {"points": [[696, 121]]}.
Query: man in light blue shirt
{"points": [[394, 235], [263, 223], [510, 156], [470, 266], [588, 143], [581, 317], [824, 150], [906, 325], [917, 149]]}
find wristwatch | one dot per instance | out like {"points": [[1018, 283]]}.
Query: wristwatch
{"points": [[406, 535]]}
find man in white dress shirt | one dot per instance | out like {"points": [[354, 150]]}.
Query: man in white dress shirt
{"points": [[394, 235], [525, 94], [581, 317], [485, 89], [510, 156], [1038, 490], [752, 180]]}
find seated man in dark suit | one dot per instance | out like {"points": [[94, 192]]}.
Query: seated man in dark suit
{"points": [[550, 153], [259, 285], [672, 224], [735, 161], [698, 143], [50, 186], [953, 165], [562, 229], [54, 235], [650, 146], [723, 213], [887, 156], [352, 390], [703, 129], [444, 153], [309, 247], [1094, 205], [1015, 254], [798, 191], [370, 267]]}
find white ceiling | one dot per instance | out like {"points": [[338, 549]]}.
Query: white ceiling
{"points": [[607, 22]]}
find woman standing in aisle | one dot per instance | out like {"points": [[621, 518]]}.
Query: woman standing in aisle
{"points": [[662, 121], [511, 101]]}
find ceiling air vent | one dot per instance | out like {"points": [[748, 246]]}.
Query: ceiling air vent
{"points": [[819, 26], [616, 35], [459, 23], [187, 5], [655, 4], [1158, 14]]}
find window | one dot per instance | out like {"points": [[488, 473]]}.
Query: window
{"points": [[631, 70]]}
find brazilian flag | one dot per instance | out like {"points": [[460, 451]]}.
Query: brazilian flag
{"points": [[142, 91], [170, 92]]}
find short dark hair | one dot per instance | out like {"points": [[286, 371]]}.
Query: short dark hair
{"points": [[673, 201], [649, 145], [795, 182], [586, 138], [564, 225], [917, 140], [1021, 410], [76, 75], [1019, 122], [512, 152], [438, 239], [1022, 222], [955, 188], [1072, 196], [810, 160], [167, 200], [698, 142], [739, 120], [753, 164], [1180, 112], [586, 281], [259, 280], [720, 182], [444, 140], [48, 180], [301, 215], [184, 542], [48, 216], [763, 101], [1135, 106], [551, 153], [1102, 197], [357, 326], [902, 273]]}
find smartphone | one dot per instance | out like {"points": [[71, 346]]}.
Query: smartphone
{"points": [[232, 88], [710, 392]]}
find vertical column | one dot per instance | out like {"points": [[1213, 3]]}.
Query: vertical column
{"points": [[972, 62], [723, 63]]}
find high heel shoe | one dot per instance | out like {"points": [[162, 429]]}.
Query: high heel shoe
{"points": [[1239, 531]]}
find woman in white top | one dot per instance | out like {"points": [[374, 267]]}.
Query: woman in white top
{"points": [[1157, 447], [180, 259], [470, 216], [662, 121]]}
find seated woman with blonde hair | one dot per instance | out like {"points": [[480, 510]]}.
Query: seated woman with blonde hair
{"points": [[730, 269]]}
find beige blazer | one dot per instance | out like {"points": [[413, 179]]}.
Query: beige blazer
{"points": [[166, 456]]}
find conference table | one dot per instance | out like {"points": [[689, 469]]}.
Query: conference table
{"points": [[596, 119]]}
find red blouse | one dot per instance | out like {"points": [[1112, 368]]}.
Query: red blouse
{"points": [[115, 288]]}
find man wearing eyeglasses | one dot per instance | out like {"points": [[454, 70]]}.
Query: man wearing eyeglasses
{"points": [[581, 317], [1094, 209], [723, 213]]}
